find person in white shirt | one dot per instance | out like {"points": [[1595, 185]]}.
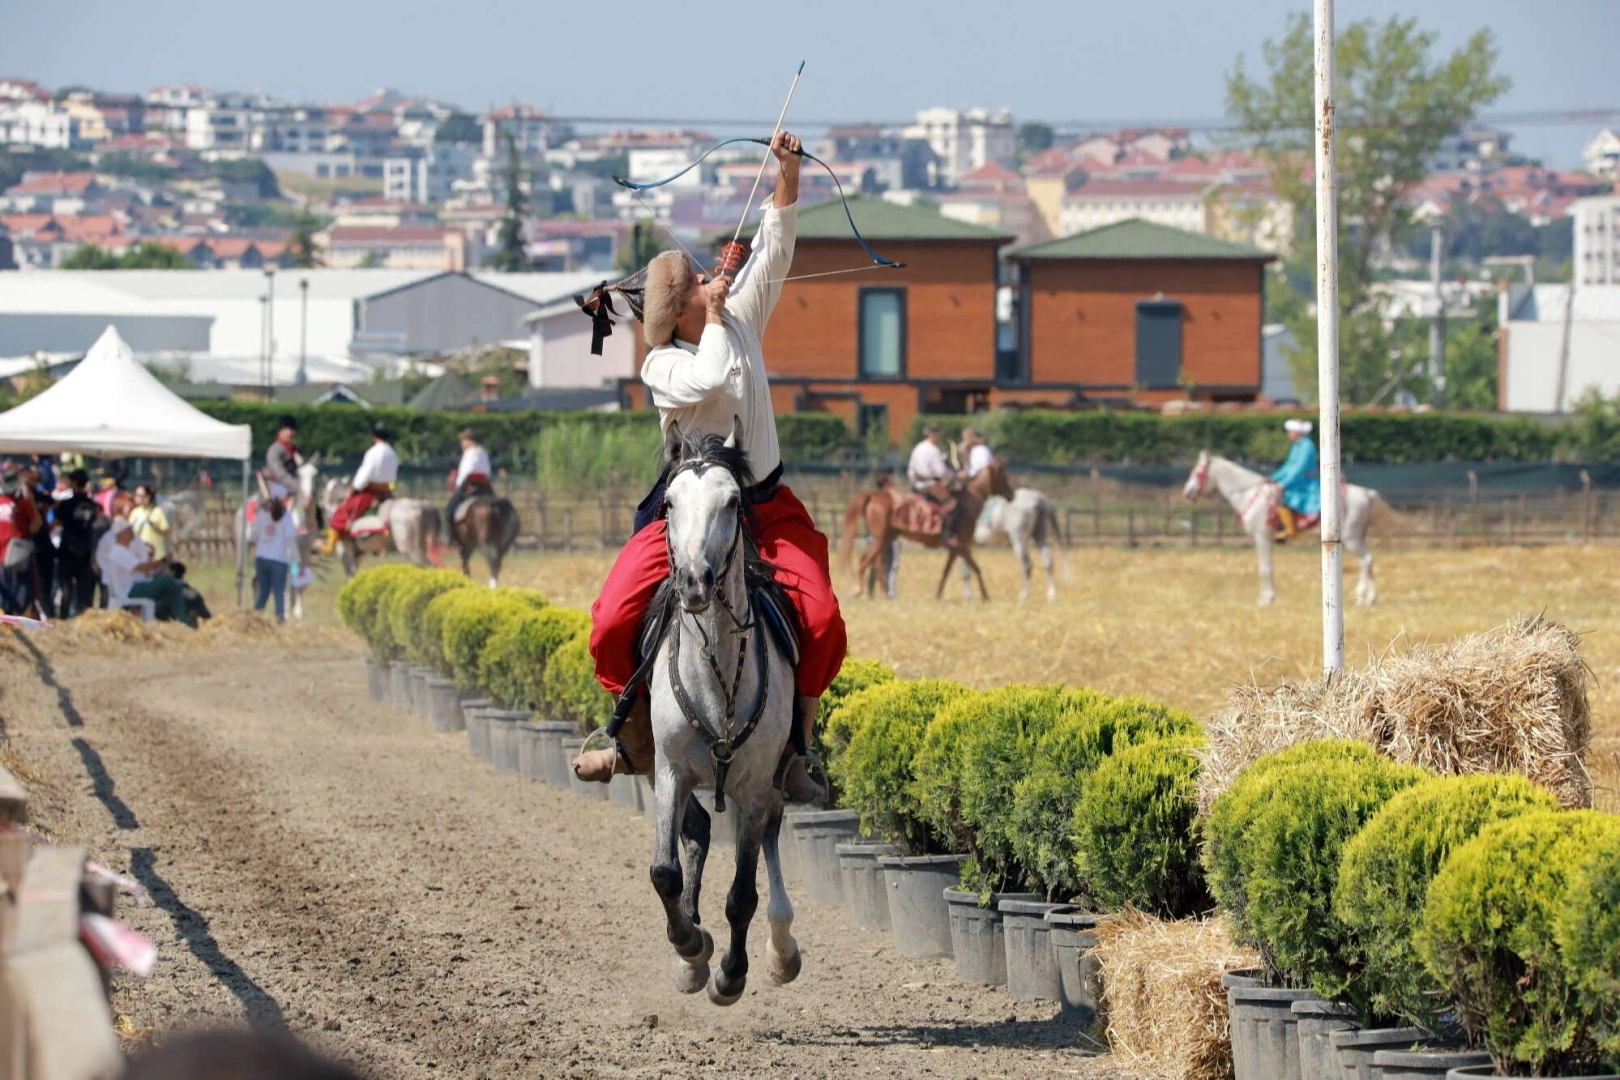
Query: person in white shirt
{"points": [[977, 453], [472, 475], [705, 369], [932, 477], [372, 485], [130, 573], [275, 549]]}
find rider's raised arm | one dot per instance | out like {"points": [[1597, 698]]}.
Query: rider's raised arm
{"points": [[678, 378], [759, 284]]}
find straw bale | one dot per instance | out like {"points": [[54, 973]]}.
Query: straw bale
{"points": [[1162, 994], [1512, 699]]}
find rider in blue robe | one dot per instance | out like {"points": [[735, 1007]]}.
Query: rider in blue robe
{"points": [[1299, 480]]}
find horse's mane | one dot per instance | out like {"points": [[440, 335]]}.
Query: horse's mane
{"points": [[700, 451]]}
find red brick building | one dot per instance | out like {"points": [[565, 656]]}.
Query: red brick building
{"points": [[1137, 312], [879, 346]]}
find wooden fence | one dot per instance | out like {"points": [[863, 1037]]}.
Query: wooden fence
{"points": [[1093, 513]]}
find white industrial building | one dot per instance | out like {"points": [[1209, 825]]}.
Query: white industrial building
{"points": [[1553, 351], [211, 323]]}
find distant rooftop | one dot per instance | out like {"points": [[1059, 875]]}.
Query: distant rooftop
{"points": [[879, 220], [1138, 239]]}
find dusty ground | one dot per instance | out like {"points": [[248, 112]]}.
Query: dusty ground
{"points": [[322, 859], [332, 863]]}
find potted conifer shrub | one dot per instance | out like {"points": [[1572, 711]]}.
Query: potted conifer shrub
{"points": [[1517, 927], [1273, 843], [885, 725], [572, 694]]}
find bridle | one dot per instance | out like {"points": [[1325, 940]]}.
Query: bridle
{"points": [[722, 744], [1261, 489], [1201, 474]]}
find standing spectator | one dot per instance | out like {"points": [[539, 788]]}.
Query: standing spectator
{"points": [[78, 516], [39, 479], [17, 528], [275, 544], [132, 574], [151, 523]]}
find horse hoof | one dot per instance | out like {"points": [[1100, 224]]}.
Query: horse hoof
{"points": [[719, 996], [690, 978], [784, 969]]}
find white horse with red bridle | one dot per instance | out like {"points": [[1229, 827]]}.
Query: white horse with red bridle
{"points": [[1254, 498]]}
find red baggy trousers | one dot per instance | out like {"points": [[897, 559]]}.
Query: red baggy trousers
{"points": [[787, 538]]}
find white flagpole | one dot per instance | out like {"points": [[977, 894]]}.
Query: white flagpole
{"points": [[1327, 344]]}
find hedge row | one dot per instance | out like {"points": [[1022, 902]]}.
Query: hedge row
{"points": [[1023, 437], [1427, 900], [508, 643], [1076, 438], [1071, 793], [340, 433]]}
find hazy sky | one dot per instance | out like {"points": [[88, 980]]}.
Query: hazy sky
{"points": [[880, 59]]}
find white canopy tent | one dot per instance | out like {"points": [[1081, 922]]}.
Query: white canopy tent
{"points": [[111, 406]]}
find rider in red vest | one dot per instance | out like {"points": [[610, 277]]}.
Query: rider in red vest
{"points": [[705, 368], [373, 483]]}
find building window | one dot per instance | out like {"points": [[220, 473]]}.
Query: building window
{"points": [[1158, 344], [883, 333], [872, 420]]}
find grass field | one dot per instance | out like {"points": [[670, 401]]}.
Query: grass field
{"points": [[1180, 626]]}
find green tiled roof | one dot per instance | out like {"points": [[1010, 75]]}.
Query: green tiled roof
{"points": [[1138, 239], [879, 220]]}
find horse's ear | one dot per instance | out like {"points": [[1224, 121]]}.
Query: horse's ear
{"points": [[734, 440], [314, 459], [672, 441]]}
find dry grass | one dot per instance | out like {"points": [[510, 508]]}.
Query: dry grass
{"points": [[1512, 699], [1180, 626], [1162, 994]]}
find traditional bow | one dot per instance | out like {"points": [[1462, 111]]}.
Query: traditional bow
{"points": [[877, 260]]}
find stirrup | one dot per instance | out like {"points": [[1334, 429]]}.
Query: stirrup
{"points": [[620, 758]]}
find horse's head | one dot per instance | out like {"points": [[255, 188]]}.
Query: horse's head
{"points": [[1198, 479], [332, 492], [704, 511], [309, 476], [1000, 480]]}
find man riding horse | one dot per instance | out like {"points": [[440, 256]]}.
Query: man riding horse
{"points": [[281, 461], [472, 476], [373, 484], [705, 370], [1298, 480], [934, 479]]}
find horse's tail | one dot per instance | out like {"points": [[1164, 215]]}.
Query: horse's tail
{"points": [[853, 514], [511, 524], [430, 534], [1385, 519]]}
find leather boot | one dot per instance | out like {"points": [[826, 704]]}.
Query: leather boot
{"points": [[1288, 529], [328, 545], [633, 755], [793, 775]]}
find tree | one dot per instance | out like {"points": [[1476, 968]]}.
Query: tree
{"points": [[147, 255], [371, 260], [301, 252], [247, 171], [1033, 139], [459, 128], [1394, 105], [510, 254], [639, 251], [89, 257]]}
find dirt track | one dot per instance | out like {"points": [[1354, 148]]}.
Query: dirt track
{"points": [[328, 861]]}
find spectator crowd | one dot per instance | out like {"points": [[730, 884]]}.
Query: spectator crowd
{"points": [[65, 549]]}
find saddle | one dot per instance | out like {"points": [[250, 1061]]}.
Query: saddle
{"points": [[1302, 522], [478, 498], [765, 594], [916, 513]]}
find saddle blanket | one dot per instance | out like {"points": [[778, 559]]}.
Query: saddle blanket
{"points": [[370, 525], [468, 503], [1302, 522], [916, 514]]}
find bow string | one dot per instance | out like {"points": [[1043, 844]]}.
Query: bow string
{"points": [[849, 215]]}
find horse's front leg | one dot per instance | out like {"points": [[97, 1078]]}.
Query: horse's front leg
{"points": [[1021, 549], [742, 901], [693, 946], [783, 951], [1262, 547], [944, 576], [970, 561]]}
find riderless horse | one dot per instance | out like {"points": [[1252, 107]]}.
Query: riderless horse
{"points": [[1255, 497], [889, 516], [408, 526], [721, 686], [1029, 516]]}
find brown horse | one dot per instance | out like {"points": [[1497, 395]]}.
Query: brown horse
{"points": [[489, 525], [877, 508]]}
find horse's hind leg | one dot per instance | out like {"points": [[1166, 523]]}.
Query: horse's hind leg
{"points": [[1366, 586], [742, 902], [944, 575], [1051, 578], [782, 951], [693, 946], [1020, 546], [967, 557]]}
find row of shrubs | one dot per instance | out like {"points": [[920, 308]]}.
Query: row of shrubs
{"points": [[1429, 900], [1069, 793], [508, 644]]}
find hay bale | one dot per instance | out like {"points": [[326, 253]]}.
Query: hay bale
{"points": [[241, 622], [1510, 700], [1162, 994], [103, 626]]}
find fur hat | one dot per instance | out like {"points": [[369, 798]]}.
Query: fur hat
{"points": [[669, 277], [1297, 427]]}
